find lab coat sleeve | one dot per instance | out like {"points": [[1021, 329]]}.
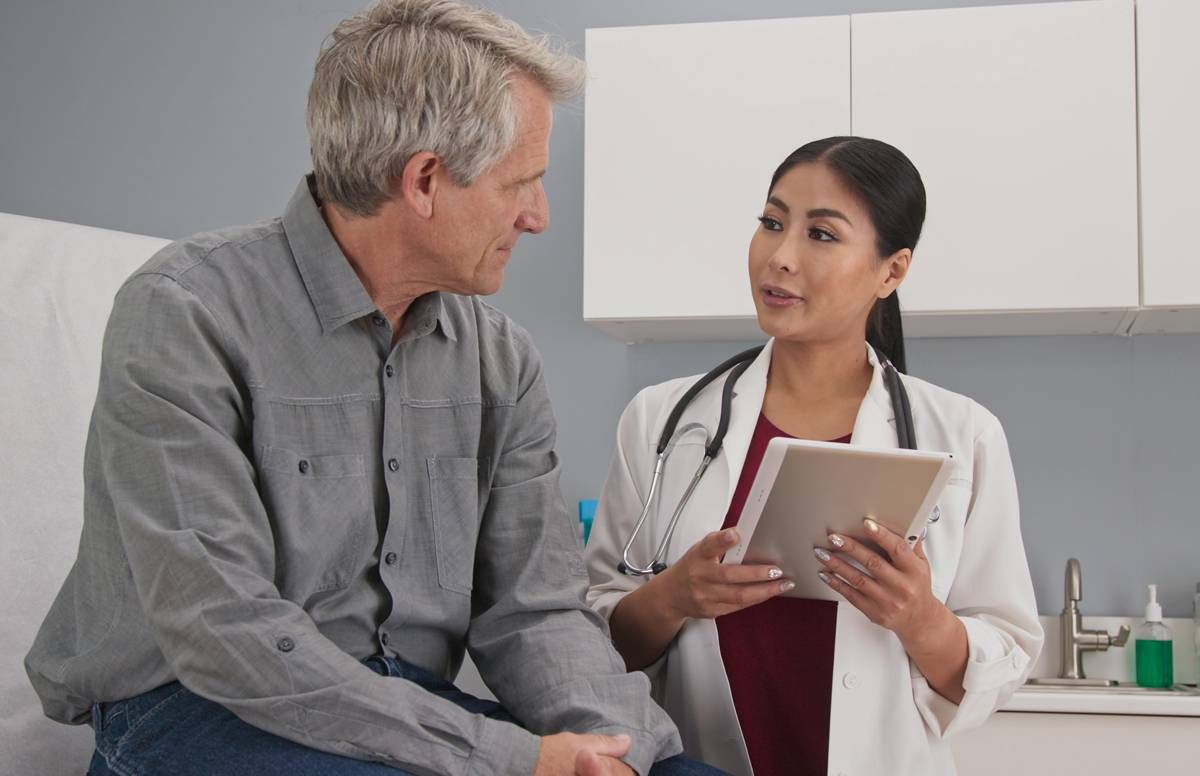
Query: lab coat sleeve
{"points": [[621, 503], [992, 594]]}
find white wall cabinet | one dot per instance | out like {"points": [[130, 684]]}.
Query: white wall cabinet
{"points": [[1169, 116], [684, 126], [1022, 121]]}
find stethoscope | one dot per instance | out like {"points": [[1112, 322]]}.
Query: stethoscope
{"points": [[672, 433]]}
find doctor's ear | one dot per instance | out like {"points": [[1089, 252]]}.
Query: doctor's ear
{"points": [[897, 269], [417, 185]]}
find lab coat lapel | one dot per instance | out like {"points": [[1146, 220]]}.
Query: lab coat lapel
{"points": [[744, 411], [875, 425]]}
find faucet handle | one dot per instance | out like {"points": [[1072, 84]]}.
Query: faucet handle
{"points": [[1073, 582], [1121, 637]]}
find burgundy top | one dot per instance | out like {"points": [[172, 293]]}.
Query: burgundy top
{"points": [[778, 656]]}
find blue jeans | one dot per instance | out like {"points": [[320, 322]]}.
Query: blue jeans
{"points": [[173, 731]]}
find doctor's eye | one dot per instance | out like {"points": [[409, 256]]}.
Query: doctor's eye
{"points": [[770, 224], [821, 235]]}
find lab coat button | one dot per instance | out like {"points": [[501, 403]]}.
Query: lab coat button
{"points": [[394, 465], [850, 681]]}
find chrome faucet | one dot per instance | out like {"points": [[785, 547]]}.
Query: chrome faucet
{"points": [[1075, 640]]}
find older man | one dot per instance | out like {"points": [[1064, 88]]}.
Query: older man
{"points": [[319, 466]]}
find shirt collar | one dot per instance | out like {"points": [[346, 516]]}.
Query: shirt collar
{"points": [[336, 292]]}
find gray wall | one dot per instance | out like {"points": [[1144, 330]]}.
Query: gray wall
{"points": [[167, 118]]}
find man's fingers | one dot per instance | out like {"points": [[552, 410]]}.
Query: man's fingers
{"points": [[717, 543], [588, 763], [609, 746]]}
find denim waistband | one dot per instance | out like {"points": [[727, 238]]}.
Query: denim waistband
{"points": [[104, 712]]}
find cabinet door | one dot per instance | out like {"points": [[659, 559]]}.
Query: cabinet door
{"points": [[684, 126], [1021, 120], [1169, 122]]}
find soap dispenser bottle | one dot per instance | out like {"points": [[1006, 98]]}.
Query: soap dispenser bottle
{"points": [[1152, 647]]}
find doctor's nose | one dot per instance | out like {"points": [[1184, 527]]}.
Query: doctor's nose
{"points": [[782, 261]]}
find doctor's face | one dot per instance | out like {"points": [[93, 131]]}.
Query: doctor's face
{"points": [[815, 271]]}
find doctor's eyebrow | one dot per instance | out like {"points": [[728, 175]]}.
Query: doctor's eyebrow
{"points": [[826, 212]]}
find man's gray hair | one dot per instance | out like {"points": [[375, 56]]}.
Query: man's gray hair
{"points": [[406, 76]]}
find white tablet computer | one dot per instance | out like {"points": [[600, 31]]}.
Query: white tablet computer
{"points": [[804, 490]]}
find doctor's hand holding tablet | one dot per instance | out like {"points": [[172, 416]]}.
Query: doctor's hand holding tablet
{"points": [[817, 561]]}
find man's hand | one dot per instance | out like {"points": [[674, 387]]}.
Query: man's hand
{"points": [[571, 754]]}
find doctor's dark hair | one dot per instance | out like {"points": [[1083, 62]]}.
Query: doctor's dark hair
{"points": [[890, 188]]}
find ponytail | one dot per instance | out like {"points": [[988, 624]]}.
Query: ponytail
{"points": [[886, 332]]}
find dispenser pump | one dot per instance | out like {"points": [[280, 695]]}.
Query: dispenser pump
{"points": [[1153, 608]]}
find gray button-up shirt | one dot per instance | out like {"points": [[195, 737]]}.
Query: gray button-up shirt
{"points": [[274, 492]]}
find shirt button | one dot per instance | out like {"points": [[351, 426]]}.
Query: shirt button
{"points": [[303, 466], [394, 465], [383, 638], [850, 681], [390, 559], [285, 644], [378, 320], [389, 370]]}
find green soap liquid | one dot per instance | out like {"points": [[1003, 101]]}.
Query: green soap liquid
{"points": [[1154, 667]]}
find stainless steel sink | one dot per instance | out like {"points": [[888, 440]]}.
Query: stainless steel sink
{"points": [[1125, 688]]}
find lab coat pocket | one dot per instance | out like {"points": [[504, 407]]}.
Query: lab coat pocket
{"points": [[319, 507], [454, 493]]}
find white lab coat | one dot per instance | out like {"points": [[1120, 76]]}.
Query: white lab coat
{"points": [[884, 717]]}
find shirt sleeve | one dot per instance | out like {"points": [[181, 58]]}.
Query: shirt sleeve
{"points": [[992, 594], [621, 504], [540, 648], [171, 427]]}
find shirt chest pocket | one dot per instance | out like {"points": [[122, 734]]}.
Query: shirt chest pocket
{"points": [[320, 511], [454, 501]]}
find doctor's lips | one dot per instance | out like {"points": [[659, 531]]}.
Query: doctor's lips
{"points": [[774, 296]]}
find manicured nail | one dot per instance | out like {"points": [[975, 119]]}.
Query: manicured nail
{"points": [[786, 586], [821, 554], [871, 525], [837, 541], [774, 573], [824, 577]]}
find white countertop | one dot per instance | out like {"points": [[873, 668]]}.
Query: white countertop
{"points": [[1068, 701]]}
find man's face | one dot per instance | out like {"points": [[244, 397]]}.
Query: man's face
{"points": [[477, 227]]}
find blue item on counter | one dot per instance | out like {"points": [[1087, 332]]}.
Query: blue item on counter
{"points": [[587, 512]]}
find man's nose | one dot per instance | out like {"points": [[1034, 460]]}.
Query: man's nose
{"points": [[536, 217]]}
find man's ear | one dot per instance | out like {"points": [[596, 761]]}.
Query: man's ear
{"points": [[897, 269], [418, 183]]}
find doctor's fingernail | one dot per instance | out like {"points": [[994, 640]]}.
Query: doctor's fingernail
{"points": [[871, 525], [774, 573], [837, 541], [786, 586], [821, 554], [824, 577]]}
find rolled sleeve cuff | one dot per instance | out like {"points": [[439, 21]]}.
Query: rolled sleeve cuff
{"points": [[503, 748], [995, 667]]}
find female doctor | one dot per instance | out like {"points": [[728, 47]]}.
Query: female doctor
{"points": [[936, 635]]}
